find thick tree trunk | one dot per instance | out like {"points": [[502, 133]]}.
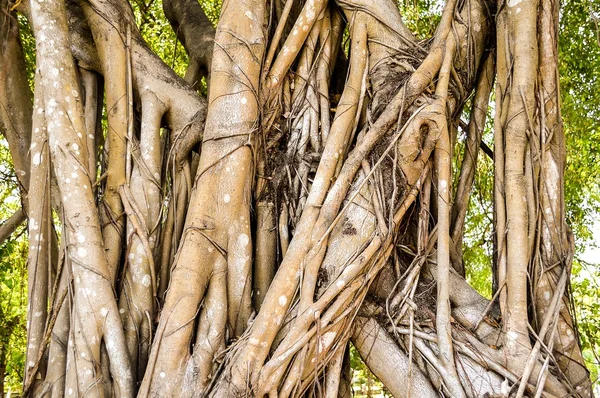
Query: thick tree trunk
{"points": [[237, 246], [15, 97]]}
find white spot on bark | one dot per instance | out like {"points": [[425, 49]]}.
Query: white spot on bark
{"points": [[103, 311], [162, 374], [146, 280], [512, 3], [82, 252], [282, 300], [244, 100], [37, 159], [227, 198], [243, 240], [547, 295], [249, 14]]}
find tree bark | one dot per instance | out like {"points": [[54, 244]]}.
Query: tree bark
{"points": [[237, 245]]}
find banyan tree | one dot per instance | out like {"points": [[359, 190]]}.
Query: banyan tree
{"points": [[238, 243]]}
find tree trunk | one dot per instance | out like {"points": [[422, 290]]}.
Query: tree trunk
{"points": [[236, 246]]}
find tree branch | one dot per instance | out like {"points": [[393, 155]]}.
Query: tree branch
{"points": [[11, 224]]}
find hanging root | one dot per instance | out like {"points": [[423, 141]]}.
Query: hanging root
{"points": [[315, 191]]}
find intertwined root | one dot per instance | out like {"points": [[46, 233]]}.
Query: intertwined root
{"points": [[306, 218]]}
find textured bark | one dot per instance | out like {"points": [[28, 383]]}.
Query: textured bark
{"points": [[196, 33], [529, 166], [217, 227], [40, 231], [95, 309], [374, 345], [16, 100], [237, 248]]}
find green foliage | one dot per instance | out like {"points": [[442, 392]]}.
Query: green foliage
{"points": [[28, 44], [579, 62], [212, 9], [364, 383], [157, 32], [13, 280], [13, 305], [421, 16], [478, 240], [586, 289]]}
